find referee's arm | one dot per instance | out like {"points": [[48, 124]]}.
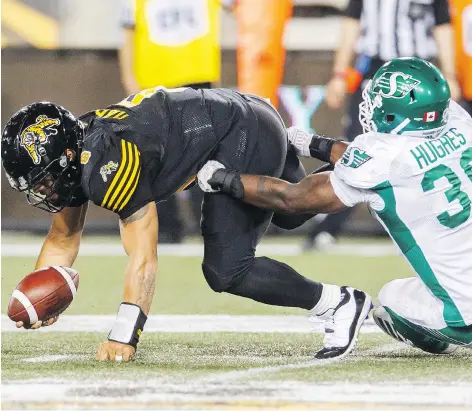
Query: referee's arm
{"points": [[444, 37], [126, 51], [350, 30]]}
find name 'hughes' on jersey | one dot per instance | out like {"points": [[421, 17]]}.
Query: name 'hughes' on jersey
{"points": [[152, 144], [421, 192]]}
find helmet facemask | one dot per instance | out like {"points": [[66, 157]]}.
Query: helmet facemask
{"points": [[50, 188], [366, 109]]}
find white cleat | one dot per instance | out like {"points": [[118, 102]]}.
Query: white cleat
{"points": [[343, 323]]}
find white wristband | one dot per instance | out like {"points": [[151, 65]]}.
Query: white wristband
{"points": [[128, 325]]}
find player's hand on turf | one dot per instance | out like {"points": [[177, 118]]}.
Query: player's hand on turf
{"points": [[206, 173], [115, 351], [37, 324], [300, 141]]}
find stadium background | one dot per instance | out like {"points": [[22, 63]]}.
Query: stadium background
{"points": [[200, 349], [59, 51]]}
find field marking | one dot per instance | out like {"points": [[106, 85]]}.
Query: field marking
{"points": [[55, 358], [236, 375], [196, 250], [190, 324], [175, 394]]}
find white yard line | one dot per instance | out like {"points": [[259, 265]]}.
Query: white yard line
{"points": [[196, 250], [259, 394], [190, 324], [55, 358], [238, 375]]}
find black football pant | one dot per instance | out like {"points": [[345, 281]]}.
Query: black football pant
{"points": [[232, 229]]}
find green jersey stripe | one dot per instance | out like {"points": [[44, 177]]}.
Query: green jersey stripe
{"points": [[413, 253]]}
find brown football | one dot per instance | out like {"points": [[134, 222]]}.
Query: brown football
{"points": [[43, 294]]}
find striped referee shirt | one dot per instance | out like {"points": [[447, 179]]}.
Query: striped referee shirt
{"points": [[398, 28]]}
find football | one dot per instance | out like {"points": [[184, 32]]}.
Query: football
{"points": [[43, 294]]}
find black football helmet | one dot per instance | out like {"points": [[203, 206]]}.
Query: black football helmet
{"points": [[41, 146]]}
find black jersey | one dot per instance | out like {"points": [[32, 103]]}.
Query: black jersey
{"points": [[152, 144]]}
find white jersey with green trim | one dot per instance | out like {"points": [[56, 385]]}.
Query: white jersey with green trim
{"points": [[421, 192]]}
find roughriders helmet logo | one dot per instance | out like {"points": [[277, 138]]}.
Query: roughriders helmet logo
{"points": [[37, 134], [394, 84]]}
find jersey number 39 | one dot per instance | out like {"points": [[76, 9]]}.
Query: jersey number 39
{"points": [[453, 193]]}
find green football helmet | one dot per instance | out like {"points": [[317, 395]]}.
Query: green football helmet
{"points": [[407, 96]]}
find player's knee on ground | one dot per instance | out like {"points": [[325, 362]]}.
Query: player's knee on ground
{"points": [[222, 278], [386, 316], [388, 294]]}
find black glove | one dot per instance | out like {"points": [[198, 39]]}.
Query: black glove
{"points": [[321, 146], [228, 182]]}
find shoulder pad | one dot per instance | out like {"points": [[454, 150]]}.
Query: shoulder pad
{"points": [[111, 172], [457, 112], [366, 162]]}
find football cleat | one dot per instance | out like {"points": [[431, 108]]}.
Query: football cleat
{"points": [[342, 324]]}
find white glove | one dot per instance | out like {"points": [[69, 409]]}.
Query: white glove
{"points": [[300, 140], [206, 173]]}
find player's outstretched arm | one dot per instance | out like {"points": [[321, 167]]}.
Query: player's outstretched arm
{"points": [[314, 194], [139, 236], [61, 245]]}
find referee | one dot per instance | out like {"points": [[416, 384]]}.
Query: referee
{"points": [[372, 33], [171, 43]]}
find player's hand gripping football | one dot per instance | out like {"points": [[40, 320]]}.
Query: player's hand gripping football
{"points": [[37, 324], [115, 351]]}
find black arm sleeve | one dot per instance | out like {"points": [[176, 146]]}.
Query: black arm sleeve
{"points": [[354, 9], [441, 12]]}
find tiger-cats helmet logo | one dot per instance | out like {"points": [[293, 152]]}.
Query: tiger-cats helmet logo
{"points": [[107, 169], [35, 135], [394, 84]]}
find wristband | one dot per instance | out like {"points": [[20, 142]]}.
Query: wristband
{"points": [[229, 182], [129, 324], [321, 146]]}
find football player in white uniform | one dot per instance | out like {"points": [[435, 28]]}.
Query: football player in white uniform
{"points": [[413, 167]]}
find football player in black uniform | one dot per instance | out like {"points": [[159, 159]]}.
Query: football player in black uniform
{"points": [[130, 156]]}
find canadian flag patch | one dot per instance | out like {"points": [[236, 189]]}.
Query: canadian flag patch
{"points": [[430, 116]]}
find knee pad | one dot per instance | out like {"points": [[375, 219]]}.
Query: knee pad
{"points": [[221, 280], [387, 293]]}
